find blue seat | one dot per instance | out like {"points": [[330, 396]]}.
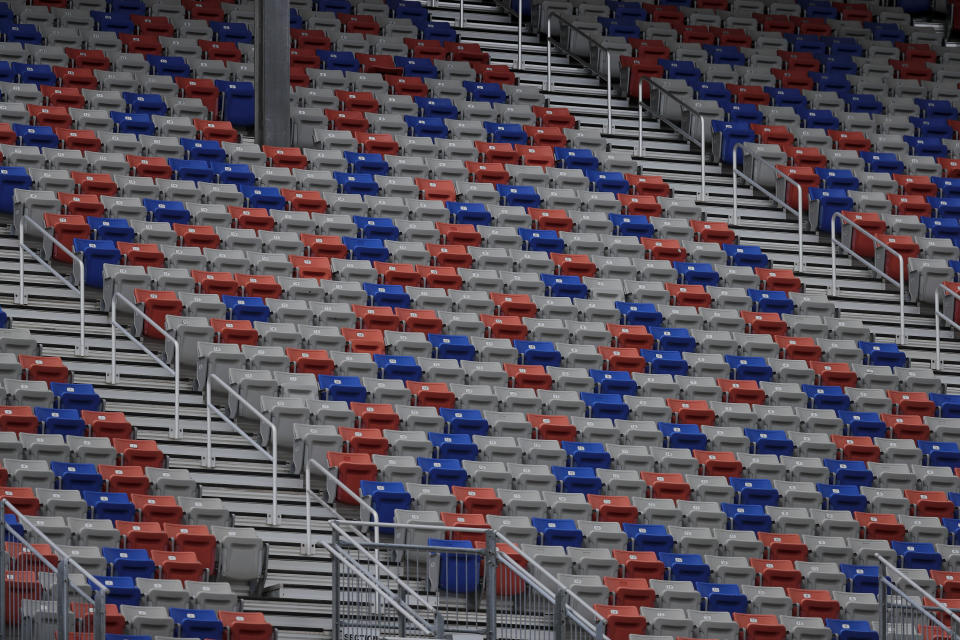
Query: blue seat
{"points": [[931, 127], [882, 162], [949, 187], [465, 421], [684, 566], [937, 109], [196, 623], [839, 65], [31, 136], [110, 506], [371, 249], [605, 405], [238, 174], [807, 43], [342, 388], [680, 70], [116, 21], [357, 183], [541, 240], [138, 123], [66, 422], [577, 479], [743, 113], [826, 397], [538, 353], [614, 28], [333, 6], [474, 213], [618, 382], [385, 498], [850, 472], [755, 491], [940, 454], [449, 347], [518, 195], [456, 446], [917, 555], [380, 228], [564, 286], [130, 563], [237, 101], [842, 497], [945, 227], [398, 367], [151, 104], [722, 597], [697, 273], [787, 98], [76, 476], [95, 254], [749, 368], [732, 134], [446, 471], [830, 201], [861, 578], [250, 308], [682, 436], [749, 517], [713, 91], [437, 108], [882, 354], [121, 590], [556, 532], [948, 406], [838, 179], [505, 133], [339, 60], [625, 225], [739, 255], [418, 67], [846, 46], [170, 211], [12, 178], [864, 103], [769, 301], [485, 92], [571, 158], [851, 629], [411, 10], [76, 395], [819, 118], [648, 537], [586, 454], [387, 295], [769, 441], [372, 163], [209, 150], [427, 127], [264, 198], [173, 66], [929, 146], [945, 208], [671, 362], [198, 170], [23, 33], [231, 32], [886, 31], [457, 571], [608, 182], [863, 423], [639, 313]]}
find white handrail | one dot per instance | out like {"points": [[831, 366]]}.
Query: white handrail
{"points": [[686, 106], [21, 298], [274, 517], [834, 243], [520, 35], [942, 608], [609, 95], [114, 376], [308, 490], [798, 211], [940, 315]]}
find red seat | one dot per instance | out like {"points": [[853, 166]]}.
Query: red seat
{"points": [[509, 327], [906, 427], [502, 152], [259, 286], [747, 94], [195, 235], [803, 348], [638, 565], [911, 70], [143, 535], [880, 526], [719, 463], [873, 224], [379, 318], [432, 394], [857, 448], [450, 255], [351, 469], [22, 559], [622, 622], [369, 441], [249, 625], [466, 521], [76, 78], [514, 304], [776, 573], [384, 65], [688, 295], [83, 613], [382, 143], [717, 232], [744, 391], [195, 538], [420, 321], [783, 546], [144, 255], [698, 34], [19, 586], [494, 73], [640, 67], [779, 280], [696, 412], [834, 374], [573, 265], [251, 218], [203, 10], [147, 167], [316, 362], [631, 336], [557, 428], [226, 51], [930, 503], [154, 25], [793, 79], [803, 174], [18, 420], [951, 167], [217, 282], [773, 134], [290, 157], [216, 130], [435, 277], [50, 116], [525, 376], [124, 479], [912, 403], [478, 500], [663, 249], [910, 205], [489, 172], [347, 120], [468, 51], [635, 592], [433, 49], [108, 424], [613, 508], [622, 359], [100, 184], [162, 509], [147, 44], [157, 305], [551, 219], [359, 24], [7, 135], [65, 229], [22, 498], [769, 323], [666, 485], [178, 565], [554, 117], [814, 603], [916, 186], [81, 205], [238, 332], [413, 86], [144, 453], [551, 136], [644, 205], [850, 140], [459, 234], [324, 246], [364, 340], [536, 155], [948, 583], [442, 190], [375, 416], [201, 88], [401, 274]]}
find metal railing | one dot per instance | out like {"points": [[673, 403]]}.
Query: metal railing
{"points": [[114, 376], [834, 243], [81, 292], [45, 595], [273, 518], [942, 291], [311, 495], [685, 106], [904, 616], [798, 211], [514, 595]]}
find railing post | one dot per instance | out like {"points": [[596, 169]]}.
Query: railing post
{"points": [[307, 547], [936, 327], [100, 615], [63, 601], [519, 35], [733, 173], [490, 574], [113, 340], [4, 562], [799, 227], [883, 601], [640, 121], [335, 585], [609, 95], [549, 54], [833, 257], [461, 23], [82, 347], [22, 297], [703, 158], [209, 400], [559, 614], [903, 285]]}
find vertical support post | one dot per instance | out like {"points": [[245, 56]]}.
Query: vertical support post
{"points": [[609, 95], [640, 122], [936, 328], [272, 88], [733, 173], [559, 614], [833, 256], [703, 158], [82, 347], [460, 23], [4, 560], [519, 35], [22, 297], [883, 601], [113, 340], [799, 227], [903, 285], [176, 391], [335, 583], [63, 604], [549, 54], [100, 615], [209, 400], [490, 574]]}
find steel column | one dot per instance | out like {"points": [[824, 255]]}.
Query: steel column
{"points": [[272, 87]]}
